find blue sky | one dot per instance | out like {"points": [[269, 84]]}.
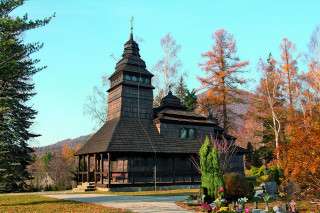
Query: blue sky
{"points": [[79, 40]]}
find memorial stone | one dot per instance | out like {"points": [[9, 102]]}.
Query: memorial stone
{"points": [[271, 187]]}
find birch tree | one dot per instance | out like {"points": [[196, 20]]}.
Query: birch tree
{"points": [[166, 70]]}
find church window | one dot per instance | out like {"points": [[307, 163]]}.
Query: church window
{"points": [[191, 134], [147, 81], [134, 78], [184, 133], [128, 77], [141, 80]]}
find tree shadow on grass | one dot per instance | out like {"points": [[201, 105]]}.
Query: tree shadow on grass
{"points": [[41, 202]]}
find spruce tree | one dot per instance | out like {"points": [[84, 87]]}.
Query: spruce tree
{"points": [[181, 89], [16, 115], [218, 177], [190, 100], [206, 165]]}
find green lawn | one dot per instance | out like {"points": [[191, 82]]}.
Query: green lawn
{"points": [[35, 203]]}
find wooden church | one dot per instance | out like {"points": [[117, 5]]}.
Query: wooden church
{"points": [[140, 147]]}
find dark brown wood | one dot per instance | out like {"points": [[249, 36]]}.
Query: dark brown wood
{"points": [[109, 170], [79, 164], [95, 167], [173, 171], [133, 173], [84, 167], [88, 168], [155, 172], [101, 168], [192, 173]]}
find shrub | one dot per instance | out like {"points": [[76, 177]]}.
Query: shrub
{"points": [[237, 187], [263, 179], [276, 174], [260, 173], [55, 188]]}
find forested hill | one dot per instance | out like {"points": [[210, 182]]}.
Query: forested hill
{"points": [[40, 151]]}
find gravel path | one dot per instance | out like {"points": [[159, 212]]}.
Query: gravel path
{"points": [[145, 204]]}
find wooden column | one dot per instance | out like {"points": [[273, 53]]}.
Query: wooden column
{"points": [[109, 170], [101, 168], [84, 167], [192, 173], [79, 164], [132, 169], [95, 167], [88, 169], [174, 171], [155, 172]]}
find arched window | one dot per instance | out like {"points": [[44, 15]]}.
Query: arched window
{"points": [[128, 77], [191, 134], [147, 81], [141, 80], [184, 133], [134, 78]]}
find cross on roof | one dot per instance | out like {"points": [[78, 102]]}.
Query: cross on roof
{"points": [[131, 23]]}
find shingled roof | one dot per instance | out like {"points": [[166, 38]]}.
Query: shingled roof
{"points": [[135, 135]]}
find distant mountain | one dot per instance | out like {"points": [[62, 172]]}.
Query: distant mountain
{"points": [[40, 151]]}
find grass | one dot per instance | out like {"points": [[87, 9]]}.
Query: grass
{"points": [[35, 203], [150, 193]]}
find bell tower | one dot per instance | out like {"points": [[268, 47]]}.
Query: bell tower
{"points": [[131, 92]]}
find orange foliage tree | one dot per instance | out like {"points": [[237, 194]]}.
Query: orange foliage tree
{"points": [[221, 83], [300, 158], [291, 82]]}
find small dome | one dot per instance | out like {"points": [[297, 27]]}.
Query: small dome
{"points": [[170, 100]]}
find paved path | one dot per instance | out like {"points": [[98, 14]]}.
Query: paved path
{"points": [[144, 204]]}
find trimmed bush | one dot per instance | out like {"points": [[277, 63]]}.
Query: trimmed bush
{"points": [[237, 186]]}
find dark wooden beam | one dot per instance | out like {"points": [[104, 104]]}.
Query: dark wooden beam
{"points": [[95, 167], [79, 164], [132, 169], [88, 169], [173, 171], [192, 172], [109, 170], [101, 168], [84, 166]]}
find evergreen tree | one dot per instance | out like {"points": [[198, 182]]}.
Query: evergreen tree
{"points": [[16, 71], [218, 177], [190, 100], [181, 89], [206, 165]]}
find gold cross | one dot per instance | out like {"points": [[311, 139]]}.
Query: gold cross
{"points": [[131, 23]]}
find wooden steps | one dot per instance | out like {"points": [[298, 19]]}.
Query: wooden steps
{"points": [[85, 187]]}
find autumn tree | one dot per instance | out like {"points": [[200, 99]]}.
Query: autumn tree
{"points": [[222, 82], [289, 69], [166, 70], [269, 102], [16, 89], [300, 157]]}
